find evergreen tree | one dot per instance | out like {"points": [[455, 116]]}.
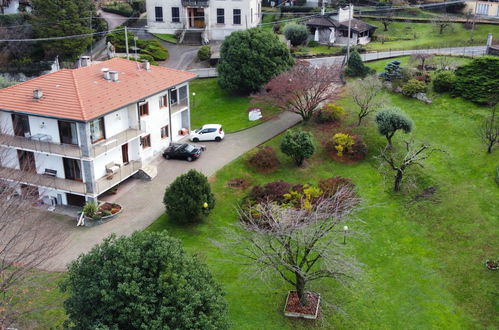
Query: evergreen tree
{"points": [[298, 145], [58, 18], [189, 197], [390, 120], [145, 281], [250, 58], [356, 67]]}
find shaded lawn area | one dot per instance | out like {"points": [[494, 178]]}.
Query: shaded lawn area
{"points": [[401, 35], [423, 260], [213, 105], [321, 49], [171, 38]]}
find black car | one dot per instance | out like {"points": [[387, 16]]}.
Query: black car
{"points": [[185, 151]]}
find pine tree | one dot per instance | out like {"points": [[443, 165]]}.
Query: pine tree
{"points": [[356, 67]]}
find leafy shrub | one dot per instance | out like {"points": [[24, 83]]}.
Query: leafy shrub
{"points": [[304, 198], [120, 8], [478, 81], [297, 34], [265, 159], [276, 28], [359, 148], [148, 58], [204, 53], [298, 145], [331, 185], [356, 67], [139, 6], [343, 143], [390, 120], [156, 50], [250, 58], [117, 38], [126, 278], [329, 113], [412, 87], [107, 213], [90, 209], [271, 192], [313, 43], [189, 197], [423, 76], [444, 81]]}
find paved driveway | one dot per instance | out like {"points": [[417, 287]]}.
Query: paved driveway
{"points": [[142, 200]]}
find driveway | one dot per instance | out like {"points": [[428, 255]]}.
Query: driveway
{"points": [[142, 200]]}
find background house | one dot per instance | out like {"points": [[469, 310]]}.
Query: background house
{"points": [[74, 134], [483, 8], [203, 19], [333, 29], [14, 6]]}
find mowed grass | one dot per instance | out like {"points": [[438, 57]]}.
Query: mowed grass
{"points": [[171, 38], [423, 260], [212, 105], [379, 65], [411, 35]]}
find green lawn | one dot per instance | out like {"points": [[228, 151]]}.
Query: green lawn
{"points": [[410, 35], [321, 49], [423, 260], [212, 105], [379, 65], [171, 38]]}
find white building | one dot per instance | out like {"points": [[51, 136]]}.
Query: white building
{"points": [[212, 19], [74, 134]]}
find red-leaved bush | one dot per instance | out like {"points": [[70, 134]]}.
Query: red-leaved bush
{"points": [[265, 159]]}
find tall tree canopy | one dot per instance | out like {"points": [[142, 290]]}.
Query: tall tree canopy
{"points": [[58, 18], [250, 58], [145, 281]]}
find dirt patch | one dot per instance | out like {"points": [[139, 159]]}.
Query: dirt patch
{"points": [[427, 193], [294, 306], [346, 158], [238, 183]]}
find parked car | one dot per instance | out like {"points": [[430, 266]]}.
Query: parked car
{"points": [[209, 132], [185, 151]]}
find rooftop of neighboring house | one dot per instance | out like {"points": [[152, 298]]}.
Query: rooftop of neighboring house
{"points": [[327, 21], [83, 94]]}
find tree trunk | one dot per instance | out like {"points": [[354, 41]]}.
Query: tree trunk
{"points": [[299, 161], [300, 289], [389, 138], [489, 148], [398, 180], [360, 119], [386, 26], [441, 29]]}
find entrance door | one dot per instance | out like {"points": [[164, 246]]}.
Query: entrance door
{"points": [[124, 153], [72, 169], [21, 125], [67, 132], [75, 200], [196, 18], [26, 161]]}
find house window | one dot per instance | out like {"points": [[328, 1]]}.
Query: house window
{"points": [[145, 141], [236, 13], [220, 16], [163, 101], [97, 131], [144, 109], [159, 14], [175, 15], [164, 132]]}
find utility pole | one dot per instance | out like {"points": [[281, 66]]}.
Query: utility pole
{"points": [[323, 9], [92, 40], [350, 10], [126, 43]]}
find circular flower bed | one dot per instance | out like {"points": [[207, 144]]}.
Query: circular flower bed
{"points": [[105, 212]]}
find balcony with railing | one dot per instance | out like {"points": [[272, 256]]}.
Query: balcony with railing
{"points": [[179, 105], [114, 141], [196, 3], [109, 181], [42, 180], [40, 143]]}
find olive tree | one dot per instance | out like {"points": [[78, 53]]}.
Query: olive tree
{"points": [[145, 281], [297, 34], [390, 120], [298, 145]]}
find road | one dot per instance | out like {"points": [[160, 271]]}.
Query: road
{"points": [[372, 56]]}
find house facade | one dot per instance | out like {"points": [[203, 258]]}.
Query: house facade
{"points": [[483, 8], [213, 19], [73, 134], [333, 30], [14, 6]]}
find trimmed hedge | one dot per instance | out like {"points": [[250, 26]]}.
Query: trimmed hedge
{"points": [[478, 81], [295, 9], [204, 53], [120, 8], [444, 82]]}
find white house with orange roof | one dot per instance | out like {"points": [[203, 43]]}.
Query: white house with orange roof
{"points": [[80, 132]]}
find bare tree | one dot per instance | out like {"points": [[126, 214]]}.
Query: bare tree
{"points": [[302, 89], [401, 161], [300, 244], [387, 19], [366, 94], [421, 57], [442, 23], [489, 131], [27, 237]]}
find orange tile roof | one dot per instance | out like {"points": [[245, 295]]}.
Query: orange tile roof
{"points": [[83, 94]]}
